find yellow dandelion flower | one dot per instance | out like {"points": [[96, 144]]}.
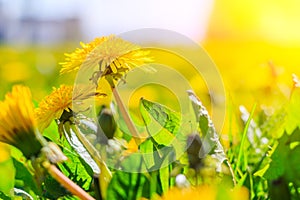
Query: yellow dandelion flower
{"points": [[53, 106], [17, 123], [112, 55], [62, 99], [74, 60], [132, 147], [118, 56]]}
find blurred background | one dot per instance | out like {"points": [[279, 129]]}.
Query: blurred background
{"points": [[35, 34], [255, 44]]}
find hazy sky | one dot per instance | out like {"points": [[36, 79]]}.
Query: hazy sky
{"points": [[104, 17]]}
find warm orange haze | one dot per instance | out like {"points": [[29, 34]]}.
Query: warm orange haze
{"points": [[150, 100]]}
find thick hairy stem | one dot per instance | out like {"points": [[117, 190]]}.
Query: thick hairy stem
{"points": [[125, 114], [66, 182]]}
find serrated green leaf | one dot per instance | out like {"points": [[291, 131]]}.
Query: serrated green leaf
{"points": [[152, 156], [76, 168], [52, 189], [210, 138], [88, 153], [277, 168], [163, 125], [295, 136], [160, 135], [167, 118], [174, 131], [285, 160]]}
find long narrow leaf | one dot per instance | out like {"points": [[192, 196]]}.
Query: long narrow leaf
{"points": [[241, 150]]}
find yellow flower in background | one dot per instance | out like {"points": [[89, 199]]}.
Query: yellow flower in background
{"points": [[206, 192], [62, 99], [17, 123], [201, 192], [113, 56]]}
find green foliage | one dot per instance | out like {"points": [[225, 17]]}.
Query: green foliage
{"points": [[293, 110], [52, 189], [159, 149], [4, 197], [167, 118], [161, 144], [69, 131], [24, 179], [125, 185], [264, 155], [284, 168], [267, 173]]}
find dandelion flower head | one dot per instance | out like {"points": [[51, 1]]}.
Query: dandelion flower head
{"points": [[108, 56], [61, 99], [17, 122]]}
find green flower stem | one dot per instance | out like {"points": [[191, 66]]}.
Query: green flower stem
{"points": [[125, 113], [66, 182]]}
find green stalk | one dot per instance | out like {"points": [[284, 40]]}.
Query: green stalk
{"points": [[241, 150]]}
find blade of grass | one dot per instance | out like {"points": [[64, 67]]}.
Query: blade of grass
{"points": [[242, 180], [241, 150], [252, 192]]}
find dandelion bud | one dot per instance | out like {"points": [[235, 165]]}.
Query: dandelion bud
{"points": [[107, 123], [194, 149]]}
